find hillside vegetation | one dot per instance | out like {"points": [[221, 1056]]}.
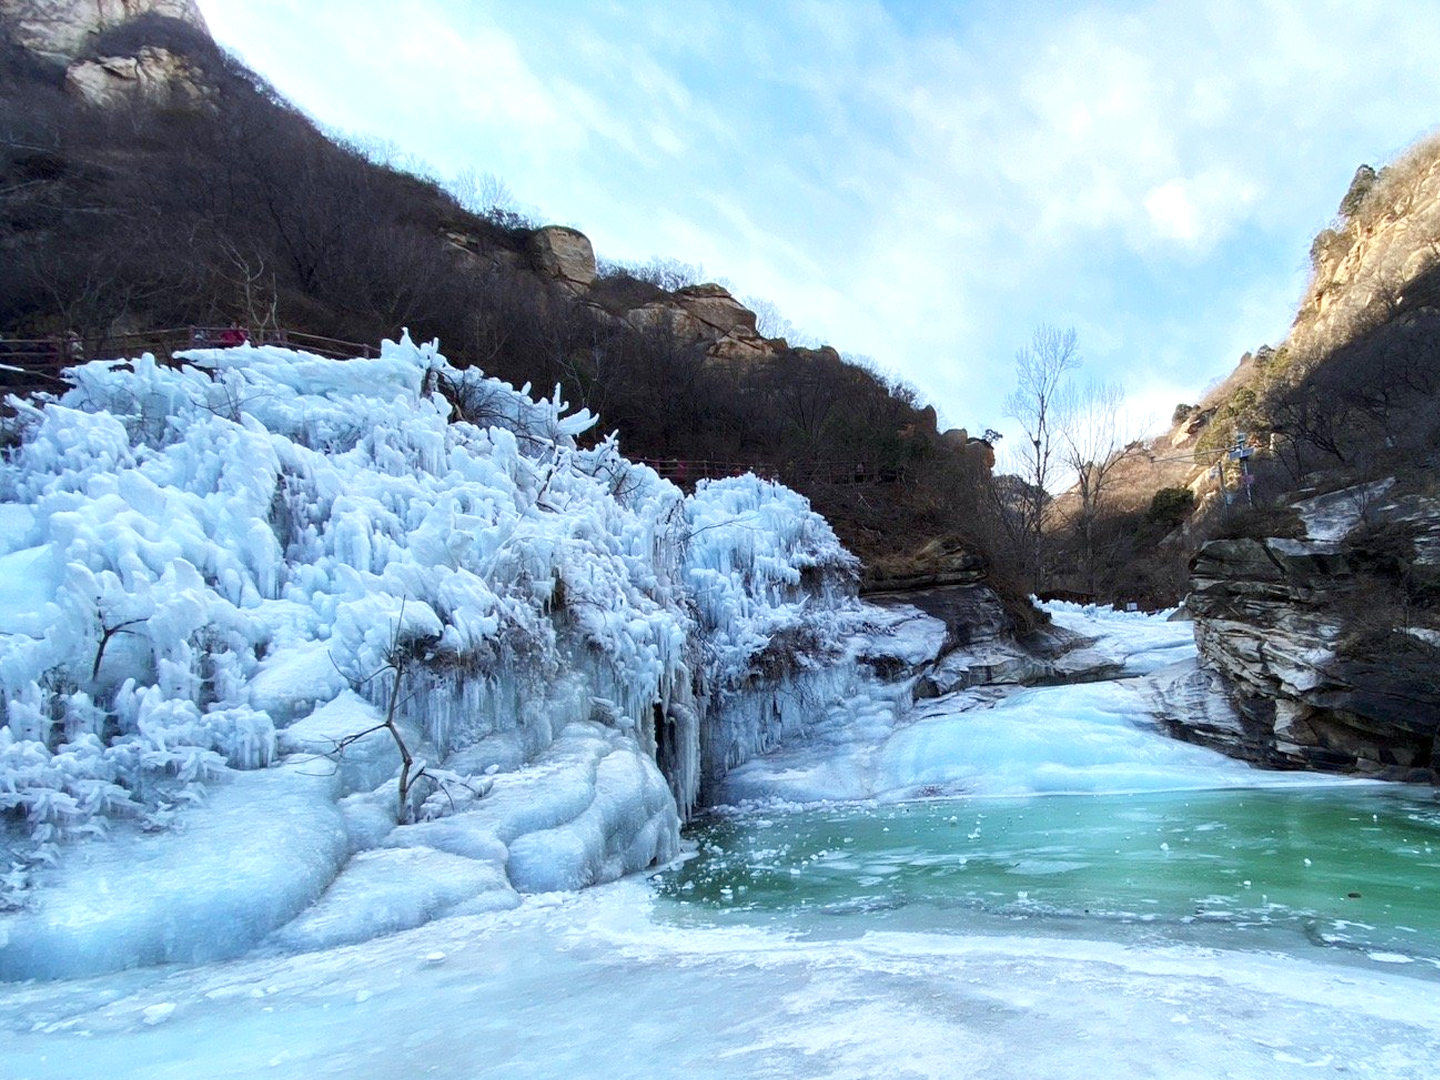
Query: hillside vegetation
{"points": [[1351, 391], [1348, 397], [216, 201]]}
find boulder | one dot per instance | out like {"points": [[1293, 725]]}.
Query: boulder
{"points": [[983, 647], [1191, 426], [661, 313], [708, 314], [716, 308], [564, 254], [739, 346]]}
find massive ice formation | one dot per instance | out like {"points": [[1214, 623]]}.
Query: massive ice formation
{"points": [[220, 581]]}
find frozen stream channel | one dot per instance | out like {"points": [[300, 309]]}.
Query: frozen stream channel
{"points": [[1093, 901]]}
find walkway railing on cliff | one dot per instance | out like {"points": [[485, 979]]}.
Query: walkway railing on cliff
{"points": [[38, 363], [686, 471], [32, 364]]}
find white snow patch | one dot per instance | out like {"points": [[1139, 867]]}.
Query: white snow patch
{"points": [[1088, 738], [1334, 515]]}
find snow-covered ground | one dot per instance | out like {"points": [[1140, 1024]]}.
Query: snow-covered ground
{"points": [[1137, 642], [1093, 737], [603, 984]]}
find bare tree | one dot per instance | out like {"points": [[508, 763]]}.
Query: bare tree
{"points": [[1095, 436], [770, 322], [254, 285], [486, 195], [1040, 370], [402, 653]]}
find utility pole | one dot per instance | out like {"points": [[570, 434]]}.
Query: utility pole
{"points": [[1241, 453], [1217, 473]]}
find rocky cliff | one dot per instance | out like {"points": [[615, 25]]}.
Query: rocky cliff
{"points": [[564, 258], [1381, 243], [62, 30], [73, 33], [1325, 634], [1328, 641]]}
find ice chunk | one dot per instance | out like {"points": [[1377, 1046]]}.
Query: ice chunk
{"points": [[345, 736], [265, 846], [390, 889]]}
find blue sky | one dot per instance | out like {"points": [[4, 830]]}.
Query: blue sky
{"points": [[922, 183]]}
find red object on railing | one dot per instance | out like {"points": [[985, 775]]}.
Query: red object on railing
{"points": [[223, 337]]}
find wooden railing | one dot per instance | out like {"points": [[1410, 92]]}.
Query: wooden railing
{"points": [[28, 364], [36, 363], [843, 472], [685, 471]]}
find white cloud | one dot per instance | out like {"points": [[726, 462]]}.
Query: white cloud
{"points": [[922, 191], [1172, 212]]}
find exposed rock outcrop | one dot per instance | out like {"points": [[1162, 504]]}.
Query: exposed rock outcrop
{"points": [[983, 648], [711, 314], [708, 314], [1326, 646], [157, 75], [63, 29], [564, 254], [1383, 240], [944, 561]]}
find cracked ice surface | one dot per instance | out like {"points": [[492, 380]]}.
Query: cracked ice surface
{"points": [[603, 984]]}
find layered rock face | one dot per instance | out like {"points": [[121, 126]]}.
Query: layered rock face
{"points": [[943, 561], [1321, 646], [983, 647], [157, 75], [708, 313], [63, 29], [564, 254]]}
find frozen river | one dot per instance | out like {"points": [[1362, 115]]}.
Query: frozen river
{"points": [[1301, 871], [621, 982], [1088, 900]]}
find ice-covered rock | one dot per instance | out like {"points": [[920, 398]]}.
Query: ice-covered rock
{"points": [[1097, 737], [405, 585], [382, 891], [257, 850]]}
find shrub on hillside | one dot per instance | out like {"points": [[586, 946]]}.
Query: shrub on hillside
{"points": [[1170, 506], [1360, 187]]}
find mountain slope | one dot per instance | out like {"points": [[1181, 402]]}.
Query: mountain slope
{"points": [[195, 195]]}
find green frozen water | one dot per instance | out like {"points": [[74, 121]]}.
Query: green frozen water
{"points": [[1349, 866]]}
